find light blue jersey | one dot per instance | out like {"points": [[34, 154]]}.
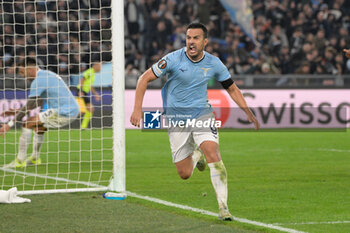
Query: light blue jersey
{"points": [[55, 93], [185, 92]]}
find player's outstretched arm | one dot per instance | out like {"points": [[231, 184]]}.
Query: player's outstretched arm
{"points": [[95, 93], [32, 103], [10, 112], [237, 96], [4, 128], [81, 85], [145, 78], [80, 90]]}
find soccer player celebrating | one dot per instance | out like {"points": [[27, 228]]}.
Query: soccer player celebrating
{"points": [[84, 87], [62, 108], [188, 71]]}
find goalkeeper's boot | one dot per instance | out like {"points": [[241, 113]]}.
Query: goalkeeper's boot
{"points": [[31, 161], [201, 162], [16, 164], [225, 215]]}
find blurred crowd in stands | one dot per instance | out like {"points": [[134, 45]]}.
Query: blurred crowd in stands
{"points": [[293, 36], [65, 36]]}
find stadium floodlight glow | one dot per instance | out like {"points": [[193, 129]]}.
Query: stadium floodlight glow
{"points": [[65, 37]]}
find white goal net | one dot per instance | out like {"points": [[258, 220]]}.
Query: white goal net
{"points": [[72, 39]]}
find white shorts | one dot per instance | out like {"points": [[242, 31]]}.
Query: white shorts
{"points": [[183, 141], [51, 119]]}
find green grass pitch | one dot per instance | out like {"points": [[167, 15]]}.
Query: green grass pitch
{"points": [[287, 178]]}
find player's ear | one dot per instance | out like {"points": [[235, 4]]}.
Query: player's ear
{"points": [[206, 41]]}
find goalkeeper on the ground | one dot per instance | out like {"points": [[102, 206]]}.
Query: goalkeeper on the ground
{"points": [[62, 108]]}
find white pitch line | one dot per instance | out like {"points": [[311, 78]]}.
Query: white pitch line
{"points": [[334, 150], [312, 223], [201, 211], [159, 201], [52, 178]]}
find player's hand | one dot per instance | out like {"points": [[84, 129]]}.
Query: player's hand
{"points": [[135, 118], [97, 98], [4, 128], [347, 52], [252, 119], [80, 94], [9, 112]]}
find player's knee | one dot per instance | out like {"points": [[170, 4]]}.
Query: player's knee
{"points": [[184, 174]]}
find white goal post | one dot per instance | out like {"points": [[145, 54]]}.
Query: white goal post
{"points": [[67, 37], [118, 96]]}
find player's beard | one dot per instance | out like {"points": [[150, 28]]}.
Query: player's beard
{"points": [[194, 52]]}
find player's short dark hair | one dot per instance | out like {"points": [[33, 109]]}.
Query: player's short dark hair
{"points": [[28, 61], [200, 26]]}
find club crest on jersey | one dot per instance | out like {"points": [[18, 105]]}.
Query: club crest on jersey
{"points": [[162, 64], [205, 71]]}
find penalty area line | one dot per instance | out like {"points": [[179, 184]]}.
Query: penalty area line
{"points": [[206, 212]]}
